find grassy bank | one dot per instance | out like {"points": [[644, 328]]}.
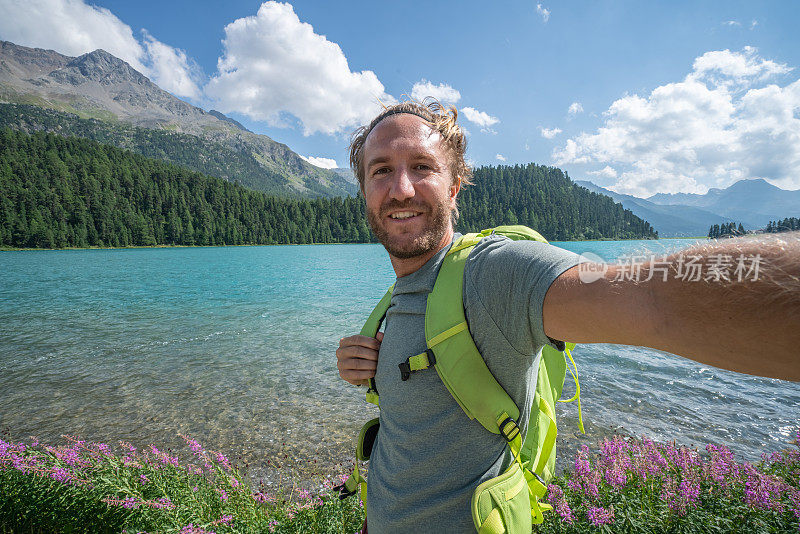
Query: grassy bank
{"points": [[626, 486]]}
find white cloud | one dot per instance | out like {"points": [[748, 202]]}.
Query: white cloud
{"points": [[500, 157], [172, 69], [605, 172], [325, 163], [574, 109], [737, 69], [481, 118], [753, 24], [549, 133], [732, 23], [543, 11], [73, 28], [274, 64], [722, 123], [441, 92]]}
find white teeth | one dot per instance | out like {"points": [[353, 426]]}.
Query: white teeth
{"points": [[402, 215]]}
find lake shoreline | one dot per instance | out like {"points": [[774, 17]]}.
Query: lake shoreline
{"points": [[13, 249]]}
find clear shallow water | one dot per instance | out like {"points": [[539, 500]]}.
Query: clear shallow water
{"points": [[235, 347]]}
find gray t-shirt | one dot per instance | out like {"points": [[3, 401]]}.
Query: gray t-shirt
{"points": [[429, 456]]}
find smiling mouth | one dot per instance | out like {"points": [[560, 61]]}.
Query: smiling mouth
{"points": [[400, 215]]}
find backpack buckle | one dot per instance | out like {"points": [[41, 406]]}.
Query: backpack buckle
{"points": [[419, 364], [508, 428], [405, 370]]}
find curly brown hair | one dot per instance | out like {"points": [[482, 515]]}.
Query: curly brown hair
{"points": [[441, 119]]}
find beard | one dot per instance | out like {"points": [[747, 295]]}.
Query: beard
{"points": [[404, 246]]}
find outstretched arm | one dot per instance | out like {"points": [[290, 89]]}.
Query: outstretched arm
{"points": [[749, 322]]}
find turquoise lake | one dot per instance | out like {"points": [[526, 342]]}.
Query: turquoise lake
{"points": [[235, 347]]}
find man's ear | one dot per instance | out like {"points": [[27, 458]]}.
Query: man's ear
{"points": [[455, 188]]}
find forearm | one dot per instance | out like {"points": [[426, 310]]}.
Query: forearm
{"points": [[742, 314], [749, 322]]}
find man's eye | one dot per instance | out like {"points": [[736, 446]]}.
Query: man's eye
{"points": [[423, 167], [381, 170]]}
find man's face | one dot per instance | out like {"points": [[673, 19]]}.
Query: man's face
{"points": [[408, 186]]}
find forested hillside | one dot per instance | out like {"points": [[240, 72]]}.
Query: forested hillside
{"points": [[238, 164], [545, 199], [71, 192]]}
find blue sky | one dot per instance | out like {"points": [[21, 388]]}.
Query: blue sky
{"points": [[640, 97]]}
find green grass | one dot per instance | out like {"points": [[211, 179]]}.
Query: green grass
{"points": [[628, 485], [641, 486], [88, 487]]}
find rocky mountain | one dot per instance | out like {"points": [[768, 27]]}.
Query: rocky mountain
{"points": [[105, 88], [347, 174], [669, 221], [752, 202]]}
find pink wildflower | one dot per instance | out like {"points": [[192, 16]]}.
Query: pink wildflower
{"points": [[223, 460], [763, 491], [61, 474], [263, 497], [600, 516], [555, 496], [191, 529]]}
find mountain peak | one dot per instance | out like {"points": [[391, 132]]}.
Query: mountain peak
{"points": [[753, 202], [102, 67], [754, 184]]}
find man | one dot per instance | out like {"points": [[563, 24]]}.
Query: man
{"points": [[518, 296]]}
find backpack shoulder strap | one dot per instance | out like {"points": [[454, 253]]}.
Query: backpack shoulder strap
{"points": [[456, 359], [452, 352], [370, 329]]}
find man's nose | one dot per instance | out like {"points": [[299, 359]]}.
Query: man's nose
{"points": [[402, 186]]}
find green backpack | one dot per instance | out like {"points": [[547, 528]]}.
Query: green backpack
{"points": [[499, 504]]}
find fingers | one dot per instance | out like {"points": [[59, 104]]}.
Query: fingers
{"points": [[361, 341], [379, 336], [357, 358]]}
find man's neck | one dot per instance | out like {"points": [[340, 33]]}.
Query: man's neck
{"points": [[405, 266]]}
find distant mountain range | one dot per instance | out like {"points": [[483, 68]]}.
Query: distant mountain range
{"points": [[752, 202], [120, 106]]}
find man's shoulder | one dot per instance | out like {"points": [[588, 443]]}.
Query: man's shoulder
{"points": [[506, 281], [508, 272], [500, 254]]}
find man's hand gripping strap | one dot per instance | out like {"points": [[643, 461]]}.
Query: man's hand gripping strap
{"points": [[370, 329]]}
